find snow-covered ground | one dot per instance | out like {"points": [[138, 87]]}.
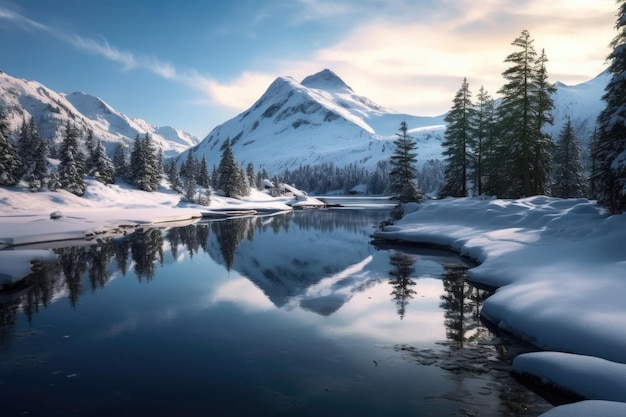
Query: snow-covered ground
{"points": [[560, 269], [26, 217]]}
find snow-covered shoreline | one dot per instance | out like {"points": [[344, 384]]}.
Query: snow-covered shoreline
{"points": [[560, 269]]}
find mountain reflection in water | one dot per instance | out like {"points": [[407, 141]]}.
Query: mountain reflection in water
{"points": [[296, 313]]}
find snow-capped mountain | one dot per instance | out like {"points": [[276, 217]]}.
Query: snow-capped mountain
{"points": [[50, 110], [321, 119], [318, 120]]}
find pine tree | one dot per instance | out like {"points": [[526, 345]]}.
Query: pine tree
{"points": [[403, 166], [38, 174], [119, 162], [456, 143], [171, 172], [103, 169], [10, 163], [609, 178], [203, 178], [92, 152], [72, 165], [152, 167], [26, 149], [568, 178], [524, 110], [144, 166], [483, 129], [229, 173], [189, 168], [251, 175]]}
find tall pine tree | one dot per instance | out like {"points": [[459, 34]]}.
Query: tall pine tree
{"points": [[72, 164], [524, 154], [10, 163], [609, 178], [483, 136], [568, 180], [102, 168], [456, 143], [403, 166]]}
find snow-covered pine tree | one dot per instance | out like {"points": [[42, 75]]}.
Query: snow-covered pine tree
{"points": [[71, 165], [137, 164], [403, 166], [189, 190], [91, 152], [609, 178], [228, 173], [189, 167], [103, 169], [144, 165], [251, 175], [171, 172], [203, 178], [568, 180], [456, 143], [10, 163], [152, 167], [119, 162], [38, 176]]}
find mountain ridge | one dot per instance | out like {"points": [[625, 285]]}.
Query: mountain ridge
{"points": [[23, 99]]}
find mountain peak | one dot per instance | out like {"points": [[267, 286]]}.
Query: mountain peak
{"points": [[325, 80]]}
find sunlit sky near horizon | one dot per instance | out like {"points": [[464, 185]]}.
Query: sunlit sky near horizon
{"points": [[194, 65]]}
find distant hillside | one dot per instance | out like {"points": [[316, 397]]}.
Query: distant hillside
{"points": [[51, 110]]}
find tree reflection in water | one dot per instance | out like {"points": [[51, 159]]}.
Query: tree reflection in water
{"points": [[401, 281], [479, 362]]}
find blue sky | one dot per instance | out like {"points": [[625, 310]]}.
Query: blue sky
{"points": [[194, 65]]}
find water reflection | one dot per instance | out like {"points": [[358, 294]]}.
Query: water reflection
{"points": [[237, 305]]}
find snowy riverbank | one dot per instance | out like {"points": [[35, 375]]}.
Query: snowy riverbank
{"points": [[25, 217], [560, 269]]}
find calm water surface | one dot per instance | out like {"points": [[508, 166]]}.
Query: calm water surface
{"points": [[289, 315]]}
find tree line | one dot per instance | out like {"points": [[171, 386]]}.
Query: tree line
{"points": [[501, 148]]}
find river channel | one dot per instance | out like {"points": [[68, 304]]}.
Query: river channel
{"points": [[295, 314]]}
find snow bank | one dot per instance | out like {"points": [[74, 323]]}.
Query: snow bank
{"points": [[589, 408], [587, 376], [559, 266]]}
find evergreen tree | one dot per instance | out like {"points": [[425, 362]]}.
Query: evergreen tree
{"points": [[189, 190], [26, 149], [119, 162], [10, 163], [203, 178], [92, 152], [568, 178], [609, 178], [38, 173], [137, 164], [189, 168], [251, 175], [152, 165], [103, 169], [525, 108], [483, 135], [229, 180], [457, 139], [144, 166], [403, 170], [71, 165], [171, 172]]}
